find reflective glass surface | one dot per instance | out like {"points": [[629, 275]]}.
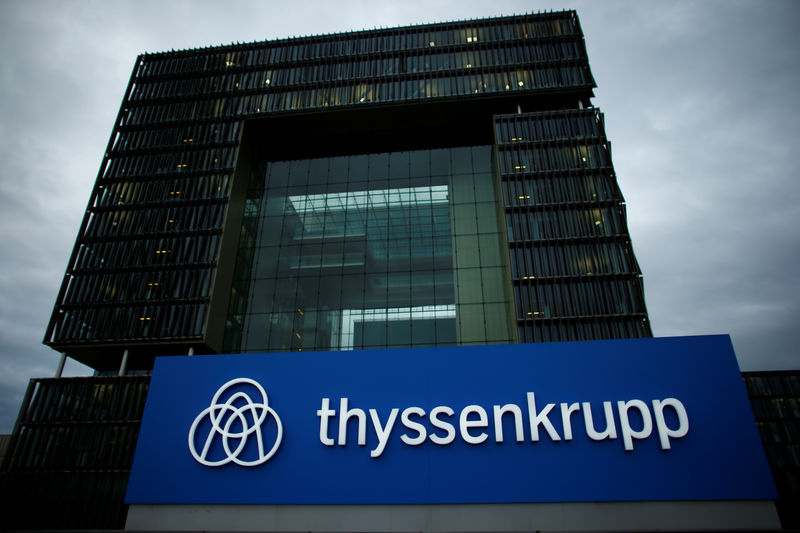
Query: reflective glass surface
{"points": [[373, 251]]}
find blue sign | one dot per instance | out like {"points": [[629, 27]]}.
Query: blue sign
{"points": [[627, 420]]}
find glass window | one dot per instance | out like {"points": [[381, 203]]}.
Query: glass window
{"points": [[359, 251]]}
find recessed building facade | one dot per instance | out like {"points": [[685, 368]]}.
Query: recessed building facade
{"points": [[434, 185]]}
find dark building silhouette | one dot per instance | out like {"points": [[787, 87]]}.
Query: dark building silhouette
{"points": [[444, 184], [775, 397]]}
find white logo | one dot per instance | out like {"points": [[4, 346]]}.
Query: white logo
{"points": [[241, 413]]}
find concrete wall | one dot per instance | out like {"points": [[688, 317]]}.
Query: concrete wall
{"points": [[616, 516]]}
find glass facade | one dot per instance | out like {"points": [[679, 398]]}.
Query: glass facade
{"points": [[376, 250]]}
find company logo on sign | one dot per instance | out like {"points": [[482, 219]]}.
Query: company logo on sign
{"points": [[626, 420], [235, 422]]}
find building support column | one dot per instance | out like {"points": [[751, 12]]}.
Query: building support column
{"points": [[61, 363], [123, 366]]}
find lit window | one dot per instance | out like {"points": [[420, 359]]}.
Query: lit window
{"points": [[520, 83], [432, 43]]}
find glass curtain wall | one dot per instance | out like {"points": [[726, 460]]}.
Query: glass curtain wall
{"points": [[373, 251]]}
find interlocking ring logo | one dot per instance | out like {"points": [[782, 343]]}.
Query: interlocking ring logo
{"points": [[235, 422]]}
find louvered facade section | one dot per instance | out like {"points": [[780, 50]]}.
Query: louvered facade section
{"points": [[150, 272], [574, 273]]}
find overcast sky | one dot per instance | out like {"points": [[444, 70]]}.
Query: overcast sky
{"points": [[698, 104]]}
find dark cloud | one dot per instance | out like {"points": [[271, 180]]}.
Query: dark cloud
{"points": [[698, 102]]}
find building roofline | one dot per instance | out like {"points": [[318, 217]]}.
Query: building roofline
{"points": [[365, 31]]}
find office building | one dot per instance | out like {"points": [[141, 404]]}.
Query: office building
{"points": [[431, 185], [775, 397]]}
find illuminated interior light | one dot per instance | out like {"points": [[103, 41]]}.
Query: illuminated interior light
{"points": [[300, 311], [432, 43], [469, 65], [507, 86], [526, 197], [298, 336], [534, 313], [375, 199], [267, 81], [520, 167], [353, 317], [516, 138], [520, 83], [596, 222], [584, 159], [362, 98], [229, 63], [144, 318]]}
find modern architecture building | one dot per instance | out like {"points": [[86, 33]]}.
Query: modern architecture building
{"points": [[443, 184], [775, 397]]}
